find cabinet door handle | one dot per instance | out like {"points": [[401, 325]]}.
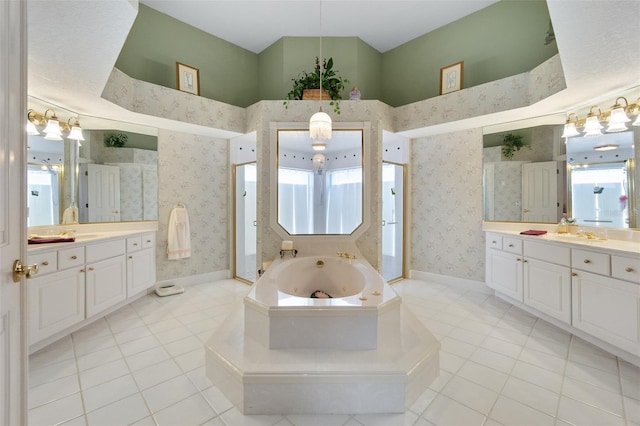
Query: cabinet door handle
{"points": [[587, 261], [525, 261], [494, 242], [629, 269], [518, 260], [130, 257], [148, 241], [574, 274], [45, 263], [74, 257], [91, 269], [83, 270], [135, 244], [510, 245]]}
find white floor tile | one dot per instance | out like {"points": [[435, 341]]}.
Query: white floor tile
{"points": [[445, 411], [540, 359], [457, 347], [139, 345], [632, 410], [167, 393], [136, 333], [216, 399], [97, 358], [193, 410], [58, 411], [578, 413], [509, 336], [109, 392], [502, 347], [146, 358], [551, 347], [451, 362], [318, 420], [182, 346], [86, 346], [538, 376], [199, 378], [597, 397], [234, 418], [52, 372], [510, 412], [484, 376], [123, 412], [493, 360], [423, 401], [470, 394], [104, 373], [191, 360], [467, 336], [531, 395], [404, 419], [51, 391], [157, 373], [593, 376]]}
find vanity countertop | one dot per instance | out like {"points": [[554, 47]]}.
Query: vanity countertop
{"points": [[87, 234], [623, 242]]}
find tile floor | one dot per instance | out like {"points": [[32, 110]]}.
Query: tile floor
{"points": [[144, 365]]}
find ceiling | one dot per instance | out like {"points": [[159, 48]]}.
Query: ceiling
{"points": [[74, 44], [255, 25]]}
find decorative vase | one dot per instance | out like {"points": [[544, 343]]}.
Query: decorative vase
{"points": [[314, 95]]}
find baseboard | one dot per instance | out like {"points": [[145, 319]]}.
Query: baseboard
{"points": [[195, 279], [461, 283]]}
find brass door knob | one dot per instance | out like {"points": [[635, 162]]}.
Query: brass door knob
{"points": [[27, 270], [629, 269], [587, 261]]}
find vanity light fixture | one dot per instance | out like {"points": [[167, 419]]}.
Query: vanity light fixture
{"points": [[54, 128], [320, 122], [607, 147], [76, 130], [52, 131], [618, 116], [570, 127], [592, 126]]}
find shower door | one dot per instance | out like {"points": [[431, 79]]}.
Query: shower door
{"points": [[245, 242], [393, 221]]}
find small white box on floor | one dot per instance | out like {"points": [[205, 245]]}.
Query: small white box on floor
{"points": [[169, 289]]}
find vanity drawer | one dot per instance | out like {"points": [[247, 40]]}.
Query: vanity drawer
{"points": [[625, 268], [68, 258], [134, 243], [512, 245], [148, 240], [548, 252], [590, 261], [494, 241], [47, 262], [105, 250]]}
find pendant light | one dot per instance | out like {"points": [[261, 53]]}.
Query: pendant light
{"points": [[320, 122]]}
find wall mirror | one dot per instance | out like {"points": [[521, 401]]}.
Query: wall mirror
{"points": [[601, 180], [552, 178], [320, 192], [103, 184]]}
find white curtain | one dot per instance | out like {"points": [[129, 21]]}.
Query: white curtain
{"points": [[295, 200], [344, 200]]}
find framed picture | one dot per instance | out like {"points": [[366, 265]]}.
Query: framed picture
{"points": [[187, 78], [451, 77]]}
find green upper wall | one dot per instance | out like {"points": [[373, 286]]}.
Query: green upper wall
{"points": [[501, 40], [156, 42], [504, 39]]}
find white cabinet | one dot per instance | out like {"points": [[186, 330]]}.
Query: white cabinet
{"points": [[56, 301], [590, 291], [547, 288], [79, 281], [607, 308], [106, 284], [141, 263], [504, 273]]}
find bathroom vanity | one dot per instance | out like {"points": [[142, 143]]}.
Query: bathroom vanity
{"points": [[589, 287], [79, 282]]}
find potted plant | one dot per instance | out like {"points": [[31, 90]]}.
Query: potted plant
{"points": [[116, 140], [512, 143], [332, 84]]}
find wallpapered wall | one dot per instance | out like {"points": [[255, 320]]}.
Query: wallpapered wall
{"points": [[194, 170], [446, 205]]}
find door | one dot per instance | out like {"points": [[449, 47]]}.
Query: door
{"points": [[99, 193], [392, 221], [13, 225], [245, 190], [540, 192]]}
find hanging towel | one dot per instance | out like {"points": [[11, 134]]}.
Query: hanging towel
{"points": [[70, 215], [179, 236]]}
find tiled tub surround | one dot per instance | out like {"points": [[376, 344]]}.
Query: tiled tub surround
{"points": [[324, 355], [589, 287], [144, 364]]}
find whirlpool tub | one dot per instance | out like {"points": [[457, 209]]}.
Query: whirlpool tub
{"points": [[319, 302]]}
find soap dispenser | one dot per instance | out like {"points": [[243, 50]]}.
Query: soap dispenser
{"points": [[563, 226]]}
